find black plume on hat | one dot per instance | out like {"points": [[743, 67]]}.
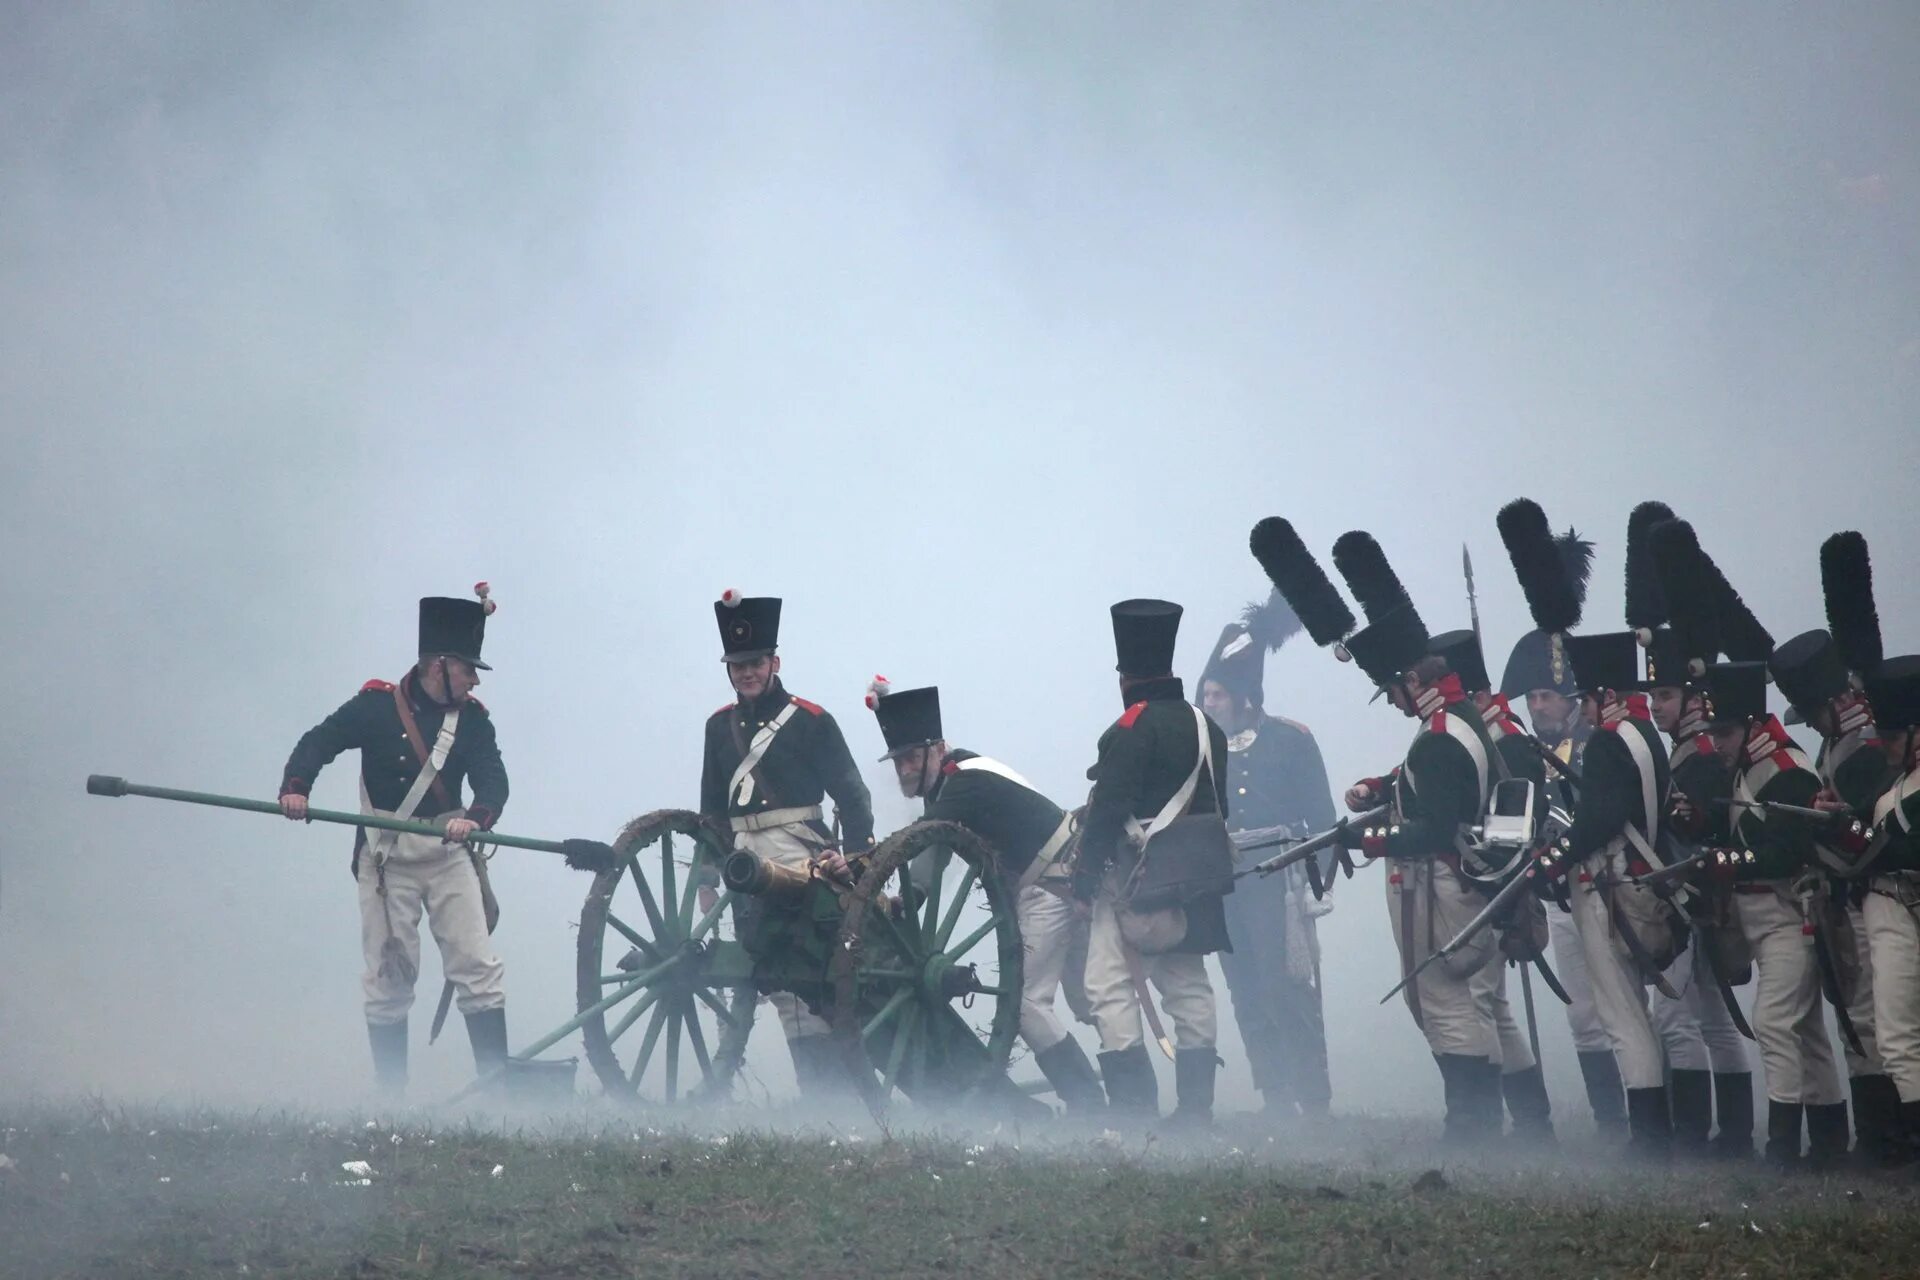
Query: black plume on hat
{"points": [[1846, 579], [1646, 605], [1371, 579], [1538, 563], [1300, 580], [1576, 556], [1700, 594], [1273, 622]]}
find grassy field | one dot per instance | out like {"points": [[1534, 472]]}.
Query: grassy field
{"points": [[102, 1191]]}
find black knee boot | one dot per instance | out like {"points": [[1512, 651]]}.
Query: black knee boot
{"points": [[1605, 1094], [1783, 1134], [1692, 1111], [1733, 1111], [1066, 1068], [1527, 1103], [1473, 1098], [389, 1043], [1880, 1133], [1193, 1088], [487, 1033], [1649, 1124], [1826, 1137], [1133, 1094], [817, 1068]]}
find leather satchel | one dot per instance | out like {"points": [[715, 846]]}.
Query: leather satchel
{"points": [[1184, 857]]}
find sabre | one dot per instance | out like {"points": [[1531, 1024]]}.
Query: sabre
{"points": [[1512, 889]]}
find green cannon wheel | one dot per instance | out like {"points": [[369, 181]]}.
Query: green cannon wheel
{"points": [[658, 952], [926, 970]]}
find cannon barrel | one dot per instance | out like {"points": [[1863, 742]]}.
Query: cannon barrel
{"points": [[99, 784], [749, 873]]}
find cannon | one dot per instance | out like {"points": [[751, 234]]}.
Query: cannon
{"points": [[915, 961]]}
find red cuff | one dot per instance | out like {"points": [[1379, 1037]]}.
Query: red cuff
{"points": [[482, 817], [295, 787]]}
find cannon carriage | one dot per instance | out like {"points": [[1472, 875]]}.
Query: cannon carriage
{"points": [[915, 962]]}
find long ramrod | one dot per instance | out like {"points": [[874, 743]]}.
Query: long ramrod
{"points": [[586, 855], [1305, 848]]}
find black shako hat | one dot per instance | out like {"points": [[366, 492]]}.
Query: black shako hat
{"points": [[1604, 660], [1238, 660], [908, 718], [1894, 691], [1810, 673], [1461, 649], [749, 625], [1143, 636], [1736, 691], [1668, 660], [453, 628]]}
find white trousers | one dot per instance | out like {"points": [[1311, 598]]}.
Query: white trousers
{"points": [[789, 846], [1619, 998], [1046, 933], [1570, 966], [1696, 1030], [425, 874], [1186, 994], [1428, 903], [1490, 988], [1789, 1021], [1893, 934]]}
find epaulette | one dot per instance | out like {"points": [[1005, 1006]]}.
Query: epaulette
{"points": [[949, 767], [1294, 725], [483, 706], [722, 711], [1132, 714], [813, 707], [377, 686]]}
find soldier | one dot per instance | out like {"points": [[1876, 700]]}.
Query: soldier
{"points": [[1853, 771], [1275, 778], [1433, 799], [1617, 830], [1156, 763], [1892, 908], [1538, 675], [1522, 1084], [1030, 834], [1778, 899], [419, 740], [1709, 1072], [770, 760]]}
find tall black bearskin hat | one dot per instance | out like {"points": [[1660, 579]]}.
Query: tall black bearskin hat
{"points": [[1846, 579], [1395, 637], [1238, 661], [1554, 595], [1646, 605], [1704, 604], [1301, 582]]}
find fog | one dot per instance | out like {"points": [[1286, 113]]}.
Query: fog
{"points": [[950, 324]]}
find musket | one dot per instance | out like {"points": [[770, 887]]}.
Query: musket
{"points": [[581, 855], [1824, 817], [1522, 880], [1301, 850]]}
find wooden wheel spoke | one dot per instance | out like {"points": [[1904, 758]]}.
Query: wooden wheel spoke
{"points": [[886, 1013], [632, 935], [669, 897], [673, 1053], [714, 1003], [908, 951], [954, 908], [688, 891], [647, 1042], [931, 912], [709, 920], [632, 1015], [646, 899], [972, 940], [903, 1036], [697, 1040]]}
